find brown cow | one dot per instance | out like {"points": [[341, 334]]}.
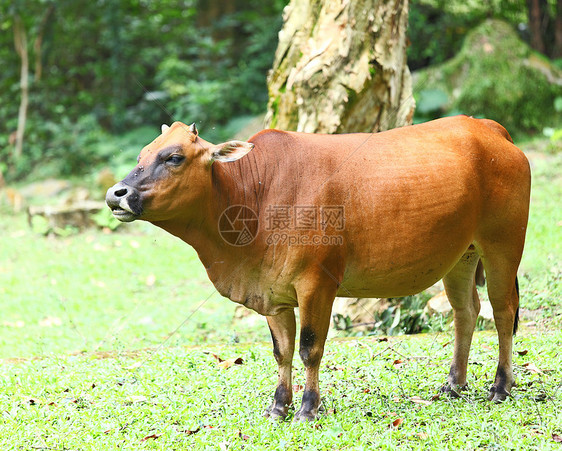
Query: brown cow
{"points": [[303, 218]]}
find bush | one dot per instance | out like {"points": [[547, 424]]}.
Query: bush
{"points": [[497, 76]]}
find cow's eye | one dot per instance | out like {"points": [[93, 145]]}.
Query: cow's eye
{"points": [[174, 159]]}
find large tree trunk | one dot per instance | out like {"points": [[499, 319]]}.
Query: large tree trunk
{"points": [[341, 67], [536, 26], [20, 43], [557, 50]]}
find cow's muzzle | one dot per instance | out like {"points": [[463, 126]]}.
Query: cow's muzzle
{"points": [[124, 202]]}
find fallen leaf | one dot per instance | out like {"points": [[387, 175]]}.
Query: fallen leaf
{"points": [[98, 247], [522, 352], [50, 321], [150, 437], [18, 324], [396, 423], [150, 280], [230, 362], [418, 400], [214, 355], [191, 431], [243, 436], [137, 398], [33, 401], [133, 366], [531, 368], [557, 438], [435, 397], [298, 387]]}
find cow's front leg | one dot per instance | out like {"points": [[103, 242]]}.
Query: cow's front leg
{"points": [[315, 316], [282, 328]]}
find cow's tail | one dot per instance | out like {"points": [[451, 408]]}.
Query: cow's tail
{"points": [[516, 322], [479, 277]]}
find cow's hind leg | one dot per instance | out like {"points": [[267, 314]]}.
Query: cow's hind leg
{"points": [[501, 273], [283, 329], [461, 290]]}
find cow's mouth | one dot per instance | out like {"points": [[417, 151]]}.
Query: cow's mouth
{"points": [[124, 202], [123, 215]]}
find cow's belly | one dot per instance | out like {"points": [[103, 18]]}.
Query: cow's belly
{"points": [[404, 281], [408, 253]]}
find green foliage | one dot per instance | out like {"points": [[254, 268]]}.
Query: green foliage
{"points": [[496, 76], [221, 80], [436, 28], [110, 67], [105, 219], [402, 316]]}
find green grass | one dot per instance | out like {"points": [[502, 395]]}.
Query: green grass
{"points": [[103, 340], [182, 399], [541, 267], [95, 291]]}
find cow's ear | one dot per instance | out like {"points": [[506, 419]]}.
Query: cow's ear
{"points": [[230, 151]]}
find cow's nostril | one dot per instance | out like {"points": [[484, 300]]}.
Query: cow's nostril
{"points": [[121, 192]]}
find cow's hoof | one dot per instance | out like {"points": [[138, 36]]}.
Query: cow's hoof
{"points": [[301, 416], [453, 390], [276, 413], [308, 415], [498, 394]]}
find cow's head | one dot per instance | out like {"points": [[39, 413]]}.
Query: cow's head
{"points": [[173, 173]]}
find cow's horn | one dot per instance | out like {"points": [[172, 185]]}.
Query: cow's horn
{"points": [[165, 128]]}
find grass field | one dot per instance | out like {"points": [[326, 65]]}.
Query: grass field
{"points": [[107, 342]]}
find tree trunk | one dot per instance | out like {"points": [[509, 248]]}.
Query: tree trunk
{"points": [[340, 66], [557, 50], [39, 42], [20, 42], [536, 30]]}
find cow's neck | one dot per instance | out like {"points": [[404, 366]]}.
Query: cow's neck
{"points": [[235, 183]]}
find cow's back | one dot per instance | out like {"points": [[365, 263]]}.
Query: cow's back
{"points": [[410, 196]]}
